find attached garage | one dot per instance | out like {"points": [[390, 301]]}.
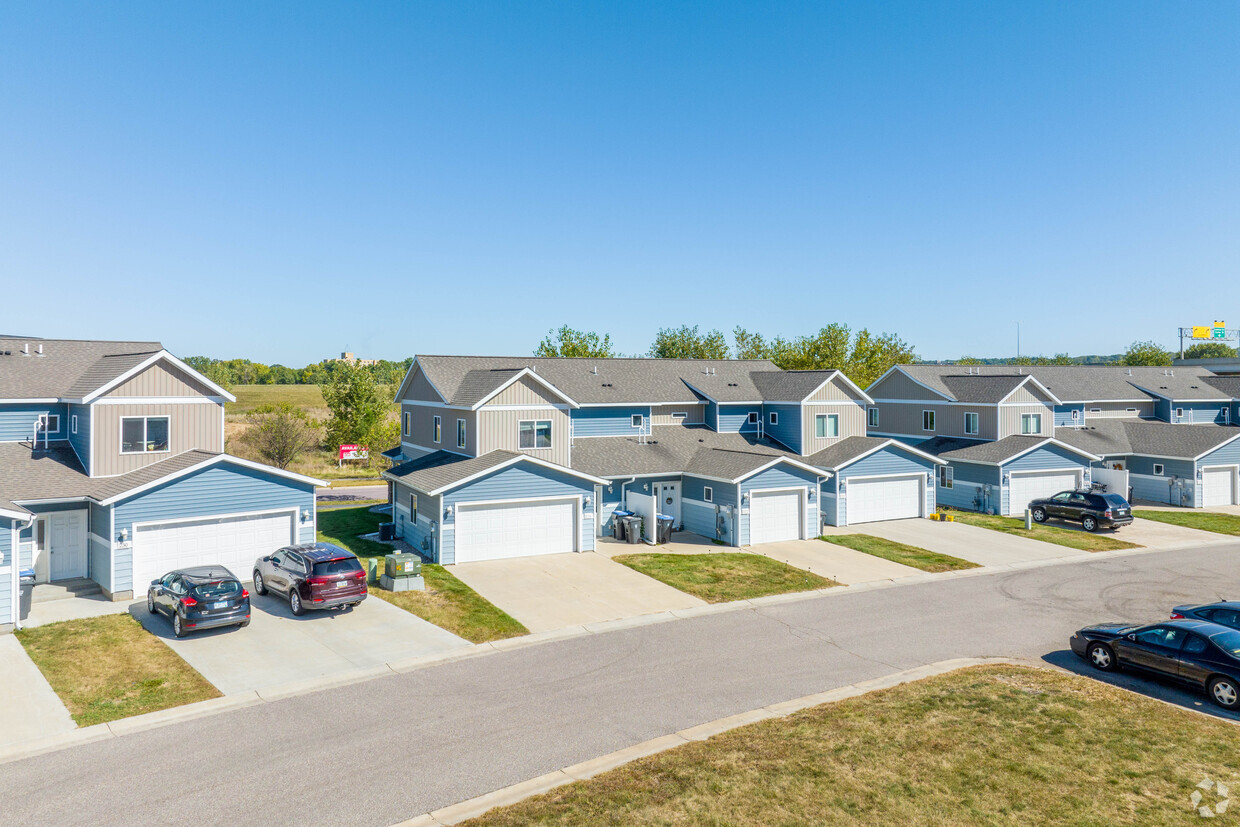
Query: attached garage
{"points": [[1218, 486], [492, 531], [775, 516], [1026, 486], [234, 542], [885, 498]]}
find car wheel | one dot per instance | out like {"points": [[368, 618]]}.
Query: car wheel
{"points": [[294, 603], [150, 603], [178, 628], [1089, 523], [1039, 515], [1101, 657], [1224, 693], [259, 586]]}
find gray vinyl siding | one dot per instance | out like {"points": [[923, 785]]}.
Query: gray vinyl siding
{"points": [[788, 428], [834, 391], [419, 534], [1119, 410], [525, 391], [890, 461], [6, 572], [906, 419], [617, 421], [695, 414], [191, 426], [967, 492], [514, 483], [1010, 419], [17, 421], [735, 418], [81, 440], [99, 544], [778, 477], [1028, 394], [419, 388], [499, 430], [219, 490], [852, 423], [422, 428], [161, 380], [899, 386]]}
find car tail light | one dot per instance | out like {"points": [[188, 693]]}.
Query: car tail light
{"points": [[318, 581], [188, 601], [1177, 616], [245, 592], [1107, 513]]}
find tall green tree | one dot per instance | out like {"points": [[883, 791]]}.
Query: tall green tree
{"points": [[569, 342], [750, 345], [1149, 354], [1210, 350], [864, 356], [689, 343], [280, 434], [356, 402]]}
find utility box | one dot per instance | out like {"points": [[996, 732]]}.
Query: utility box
{"points": [[387, 532], [402, 565]]}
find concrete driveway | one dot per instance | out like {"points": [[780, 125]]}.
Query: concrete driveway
{"points": [[557, 590], [278, 648], [1152, 534], [843, 565], [977, 545]]}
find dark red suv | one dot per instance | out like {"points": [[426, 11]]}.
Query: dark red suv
{"points": [[312, 576]]}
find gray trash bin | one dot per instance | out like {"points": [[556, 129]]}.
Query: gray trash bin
{"points": [[665, 528], [633, 529], [618, 524], [27, 592]]}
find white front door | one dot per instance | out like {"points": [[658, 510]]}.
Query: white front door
{"points": [[1218, 486], [669, 500], [774, 516], [892, 498], [67, 545], [490, 531], [1029, 486], [233, 542]]}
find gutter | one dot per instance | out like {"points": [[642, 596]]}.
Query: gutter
{"points": [[15, 569]]}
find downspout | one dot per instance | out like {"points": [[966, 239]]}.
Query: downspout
{"points": [[623, 501], [818, 480], [15, 568]]}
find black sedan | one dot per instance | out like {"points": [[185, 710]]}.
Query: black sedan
{"points": [[1200, 654], [203, 597], [1089, 508], [1224, 613]]}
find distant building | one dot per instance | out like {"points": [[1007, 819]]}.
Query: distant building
{"points": [[1222, 365], [352, 359]]}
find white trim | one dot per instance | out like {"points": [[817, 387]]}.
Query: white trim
{"points": [[636, 404], [14, 515], [1045, 440], [418, 403], [1159, 469], [51, 400], [826, 416], [1207, 453], [1023, 432], [436, 430], [404, 423], [499, 467], [775, 461], [977, 423], [903, 446], [882, 401], [400, 391], [1030, 378], [802, 532], [839, 374], [933, 421], [708, 494], [542, 407], [209, 463], [773, 417], [462, 434], [550, 435], [877, 416], [146, 363], [73, 423], [160, 400], [640, 423], [524, 372], [144, 417], [579, 541]]}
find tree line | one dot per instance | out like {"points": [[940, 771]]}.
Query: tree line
{"points": [[228, 372]]}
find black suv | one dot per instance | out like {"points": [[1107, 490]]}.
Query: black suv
{"points": [[312, 576], [1089, 508]]}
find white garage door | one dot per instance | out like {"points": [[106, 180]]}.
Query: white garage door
{"points": [[895, 498], [234, 542], [496, 530], [1033, 486], [774, 516], [1218, 486]]}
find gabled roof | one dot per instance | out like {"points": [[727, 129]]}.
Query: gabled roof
{"points": [[1155, 439], [1228, 385], [442, 471], [1079, 383], [853, 448], [670, 449], [798, 385], [999, 452]]}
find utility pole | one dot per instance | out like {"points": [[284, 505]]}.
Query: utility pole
{"points": [[1018, 340]]}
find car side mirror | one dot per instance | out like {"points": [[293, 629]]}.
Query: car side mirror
{"points": [[1132, 637]]}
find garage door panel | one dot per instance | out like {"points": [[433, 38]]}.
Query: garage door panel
{"points": [[774, 516], [232, 542], [1024, 488], [1218, 487], [874, 500], [493, 531]]}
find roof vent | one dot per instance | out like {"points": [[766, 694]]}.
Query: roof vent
{"points": [[38, 350], [1130, 371], [26, 349], [594, 370]]}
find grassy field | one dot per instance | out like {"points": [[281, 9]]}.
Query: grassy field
{"points": [[918, 558], [1202, 520], [1046, 533], [307, 397], [105, 668], [718, 578], [447, 602], [996, 745]]}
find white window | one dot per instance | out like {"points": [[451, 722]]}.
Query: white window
{"points": [[872, 413], [73, 423], [1131, 410], [460, 433], [1179, 413], [753, 417], [708, 494], [144, 434], [404, 417], [774, 417], [413, 508], [927, 420], [1031, 423], [947, 476], [826, 426], [1075, 414], [1158, 469], [438, 429], [970, 422], [534, 433], [637, 420], [1095, 410], [49, 424], [680, 415]]}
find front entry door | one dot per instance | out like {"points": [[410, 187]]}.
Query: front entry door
{"points": [[669, 500], [67, 545]]}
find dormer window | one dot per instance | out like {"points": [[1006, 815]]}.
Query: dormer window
{"points": [[144, 434]]}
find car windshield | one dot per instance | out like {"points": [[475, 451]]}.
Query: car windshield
{"points": [[343, 566], [1116, 500], [1228, 641], [217, 589]]}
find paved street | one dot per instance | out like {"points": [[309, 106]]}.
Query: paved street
{"points": [[433, 737]]}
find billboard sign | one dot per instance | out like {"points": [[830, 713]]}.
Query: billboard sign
{"points": [[353, 452]]}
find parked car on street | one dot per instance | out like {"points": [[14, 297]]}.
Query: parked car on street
{"points": [[312, 576], [1089, 508], [1194, 652], [203, 597], [1224, 613]]}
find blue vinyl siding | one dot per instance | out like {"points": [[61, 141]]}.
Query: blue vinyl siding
{"points": [[1162, 410], [99, 544], [514, 483], [419, 532], [6, 572], [968, 487], [1044, 458], [712, 415], [701, 517], [218, 490], [889, 461], [617, 421], [1223, 455], [1200, 413], [1063, 415], [1146, 486], [787, 430], [17, 421], [735, 418], [781, 476], [81, 440]]}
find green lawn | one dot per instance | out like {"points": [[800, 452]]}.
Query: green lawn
{"points": [[105, 668], [1045, 532], [720, 577], [995, 745], [918, 558], [1202, 520], [447, 602]]}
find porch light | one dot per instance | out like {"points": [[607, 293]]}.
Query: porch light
{"points": [[1007, 478], [305, 515], [745, 498], [447, 512], [586, 502], [645, 486], [124, 534]]}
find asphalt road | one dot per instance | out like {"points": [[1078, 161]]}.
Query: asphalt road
{"points": [[391, 748], [344, 492]]}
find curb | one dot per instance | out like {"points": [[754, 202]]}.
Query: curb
{"points": [[512, 794]]}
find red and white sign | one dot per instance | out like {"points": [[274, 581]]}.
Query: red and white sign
{"points": [[353, 452]]}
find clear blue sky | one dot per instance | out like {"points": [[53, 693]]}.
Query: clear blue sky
{"points": [[284, 181]]}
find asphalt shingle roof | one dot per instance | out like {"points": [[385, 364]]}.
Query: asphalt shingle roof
{"points": [[982, 388], [1078, 383], [789, 385], [1229, 385], [434, 471], [846, 450], [68, 369], [995, 453]]}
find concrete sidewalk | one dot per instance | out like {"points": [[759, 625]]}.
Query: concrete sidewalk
{"points": [[30, 709], [977, 545], [843, 565]]}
